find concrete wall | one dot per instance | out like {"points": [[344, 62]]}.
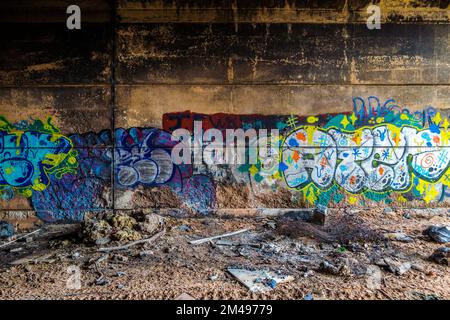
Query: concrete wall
{"points": [[362, 114]]}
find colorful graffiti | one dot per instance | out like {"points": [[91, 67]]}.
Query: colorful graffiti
{"points": [[378, 152], [141, 157], [29, 154], [363, 154]]}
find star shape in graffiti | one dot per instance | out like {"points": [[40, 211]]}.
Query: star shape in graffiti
{"points": [[437, 118], [353, 118], [345, 122], [253, 170]]}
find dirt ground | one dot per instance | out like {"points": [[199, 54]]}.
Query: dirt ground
{"points": [[328, 263]]}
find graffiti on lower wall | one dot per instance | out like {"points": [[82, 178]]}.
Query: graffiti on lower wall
{"points": [[377, 152], [30, 153]]}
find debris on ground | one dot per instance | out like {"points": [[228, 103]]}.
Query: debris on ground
{"points": [[327, 267], [259, 280], [324, 261], [120, 227], [184, 296], [394, 265], [441, 255], [6, 229], [439, 234], [35, 258], [308, 297], [428, 297], [19, 238], [398, 236], [203, 240], [133, 243]]}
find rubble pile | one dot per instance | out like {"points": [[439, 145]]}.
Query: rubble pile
{"points": [[121, 227]]}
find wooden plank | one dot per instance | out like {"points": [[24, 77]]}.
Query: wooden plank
{"points": [[283, 54], [74, 109], [50, 54], [144, 106]]}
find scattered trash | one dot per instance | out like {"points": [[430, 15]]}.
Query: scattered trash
{"points": [[184, 296], [36, 258], [29, 239], [120, 286], [395, 266], [18, 238], [200, 241], [271, 224], [184, 227], [213, 277], [145, 253], [130, 244], [16, 250], [102, 281], [407, 215], [119, 258], [441, 255], [76, 255], [327, 267], [388, 210], [121, 273], [425, 296], [308, 273], [259, 280], [308, 297], [6, 229], [398, 236], [439, 234]]}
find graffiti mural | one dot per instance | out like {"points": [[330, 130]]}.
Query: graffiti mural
{"points": [[377, 152], [30, 153], [86, 189]]}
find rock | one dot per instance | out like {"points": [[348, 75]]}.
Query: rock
{"points": [[151, 223], [213, 277], [395, 266], [319, 215], [184, 296], [327, 267], [6, 229], [439, 234], [102, 282], [119, 258], [441, 255], [308, 273], [398, 236], [94, 230]]}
